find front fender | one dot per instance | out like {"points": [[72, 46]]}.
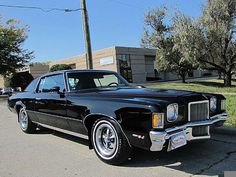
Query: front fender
{"points": [[18, 105], [135, 123]]}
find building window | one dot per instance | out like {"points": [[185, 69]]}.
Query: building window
{"points": [[125, 66], [124, 60], [149, 66]]}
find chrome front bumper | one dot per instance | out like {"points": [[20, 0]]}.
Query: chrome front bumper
{"points": [[159, 138]]}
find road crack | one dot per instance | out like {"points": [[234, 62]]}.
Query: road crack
{"points": [[228, 154], [222, 141]]}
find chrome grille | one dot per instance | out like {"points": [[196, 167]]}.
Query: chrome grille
{"points": [[200, 131], [198, 111]]}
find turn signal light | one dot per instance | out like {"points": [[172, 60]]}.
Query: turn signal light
{"points": [[223, 105], [158, 120]]}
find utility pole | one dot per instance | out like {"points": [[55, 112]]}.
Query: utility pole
{"points": [[89, 60]]}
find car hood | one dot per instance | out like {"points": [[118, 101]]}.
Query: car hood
{"points": [[144, 92], [169, 95]]}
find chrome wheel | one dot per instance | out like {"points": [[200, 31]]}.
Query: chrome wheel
{"points": [[23, 119], [105, 139]]}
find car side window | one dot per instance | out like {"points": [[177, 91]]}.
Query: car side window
{"points": [[48, 83], [106, 80], [40, 86], [31, 86]]}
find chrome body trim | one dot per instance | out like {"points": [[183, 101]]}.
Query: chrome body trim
{"points": [[48, 75], [62, 117], [63, 131], [159, 138]]}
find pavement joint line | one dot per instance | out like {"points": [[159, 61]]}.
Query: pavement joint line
{"points": [[228, 154], [226, 142]]}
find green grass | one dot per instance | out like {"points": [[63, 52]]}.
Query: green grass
{"points": [[209, 86], [231, 109]]}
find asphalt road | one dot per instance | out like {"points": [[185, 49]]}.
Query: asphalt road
{"points": [[49, 154]]}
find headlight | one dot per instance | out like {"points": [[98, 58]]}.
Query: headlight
{"points": [[172, 112], [223, 105], [213, 103]]}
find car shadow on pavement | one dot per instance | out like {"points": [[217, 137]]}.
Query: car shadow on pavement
{"points": [[43, 130], [198, 158], [72, 138]]}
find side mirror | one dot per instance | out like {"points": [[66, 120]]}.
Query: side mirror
{"points": [[56, 89]]}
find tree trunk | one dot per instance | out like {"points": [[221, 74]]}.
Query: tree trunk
{"points": [[220, 75], [183, 77], [228, 79]]}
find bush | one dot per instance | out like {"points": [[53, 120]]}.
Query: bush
{"points": [[21, 79], [59, 67]]}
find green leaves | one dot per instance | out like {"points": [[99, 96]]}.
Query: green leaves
{"points": [[162, 36], [12, 54]]}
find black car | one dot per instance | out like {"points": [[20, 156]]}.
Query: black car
{"points": [[114, 115]]}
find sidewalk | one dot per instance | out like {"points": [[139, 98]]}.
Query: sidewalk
{"points": [[227, 93]]}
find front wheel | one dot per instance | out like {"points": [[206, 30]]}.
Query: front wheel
{"points": [[25, 123], [109, 143]]}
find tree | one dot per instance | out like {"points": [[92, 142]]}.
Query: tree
{"points": [[39, 63], [218, 27], [21, 79], [59, 67], [171, 59], [12, 54], [211, 40], [160, 36], [7, 81]]}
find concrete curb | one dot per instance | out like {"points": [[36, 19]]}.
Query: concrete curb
{"points": [[3, 97], [224, 130]]}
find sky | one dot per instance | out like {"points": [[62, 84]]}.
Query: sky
{"points": [[57, 35]]}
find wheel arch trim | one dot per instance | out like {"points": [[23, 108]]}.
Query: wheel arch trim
{"points": [[17, 105], [100, 115]]}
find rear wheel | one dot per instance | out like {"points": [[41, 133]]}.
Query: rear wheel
{"points": [[25, 123], [109, 143]]}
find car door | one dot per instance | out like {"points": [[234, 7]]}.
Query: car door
{"points": [[77, 102], [50, 101]]}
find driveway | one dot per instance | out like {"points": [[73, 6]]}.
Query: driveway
{"points": [[49, 153]]}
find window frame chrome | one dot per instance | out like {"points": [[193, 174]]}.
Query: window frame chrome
{"points": [[49, 75]]}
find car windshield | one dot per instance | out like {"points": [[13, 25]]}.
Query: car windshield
{"points": [[94, 80]]}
